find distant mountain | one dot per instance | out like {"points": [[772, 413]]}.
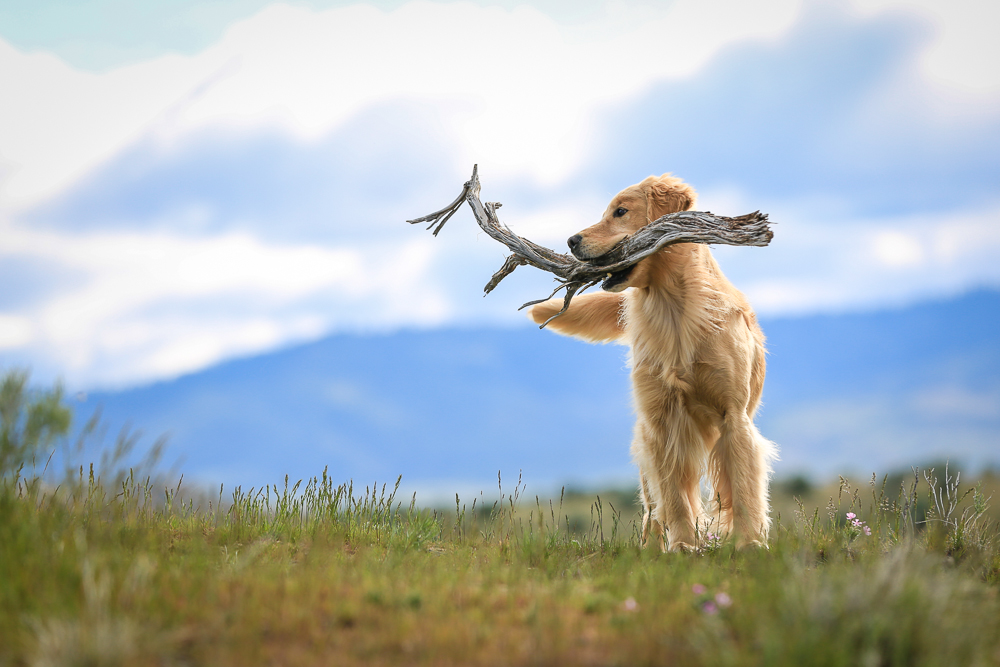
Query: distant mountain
{"points": [[889, 389], [448, 409]]}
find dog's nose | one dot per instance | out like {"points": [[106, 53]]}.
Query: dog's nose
{"points": [[574, 241]]}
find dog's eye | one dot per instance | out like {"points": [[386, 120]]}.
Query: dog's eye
{"points": [[620, 211]]}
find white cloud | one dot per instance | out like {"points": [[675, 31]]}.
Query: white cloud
{"points": [[150, 305], [897, 249], [15, 331], [823, 263], [551, 225], [956, 401], [963, 52], [189, 344], [56, 123], [517, 87], [517, 90]]}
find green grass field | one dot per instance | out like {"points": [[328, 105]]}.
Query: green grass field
{"points": [[116, 569]]}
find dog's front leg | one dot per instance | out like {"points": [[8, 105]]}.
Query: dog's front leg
{"points": [[667, 450], [649, 521], [594, 317]]}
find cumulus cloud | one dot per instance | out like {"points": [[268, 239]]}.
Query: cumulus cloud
{"points": [[177, 211], [834, 111], [962, 52], [823, 260], [15, 331], [149, 305], [520, 86]]}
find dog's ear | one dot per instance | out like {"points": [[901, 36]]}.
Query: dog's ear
{"points": [[667, 194]]}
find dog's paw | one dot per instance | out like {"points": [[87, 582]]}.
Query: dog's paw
{"points": [[544, 310], [742, 544], [682, 547]]}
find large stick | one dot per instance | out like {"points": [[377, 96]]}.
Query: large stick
{"points": [[575, 276]]}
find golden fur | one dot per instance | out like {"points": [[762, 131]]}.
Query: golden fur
{"points": [[697, 358]]}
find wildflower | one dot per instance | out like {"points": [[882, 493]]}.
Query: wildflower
{"points": [[630, 605], [856, 526], [710, 608], [723, 600], [713, 541], [698, 589]]}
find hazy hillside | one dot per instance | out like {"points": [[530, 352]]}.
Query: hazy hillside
{"points": [[448, 409], [887, 389], [454, 406]]}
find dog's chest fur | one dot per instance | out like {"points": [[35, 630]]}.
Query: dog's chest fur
{"points": [[668, 320]]}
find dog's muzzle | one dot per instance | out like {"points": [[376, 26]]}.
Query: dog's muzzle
{"points": [[614, 282]]}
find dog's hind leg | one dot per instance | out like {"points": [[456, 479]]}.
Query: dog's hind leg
{"points": [[740, 464]]}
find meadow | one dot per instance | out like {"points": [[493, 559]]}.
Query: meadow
{"points": [[112, 566]]}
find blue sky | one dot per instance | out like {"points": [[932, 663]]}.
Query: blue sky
{"points": [[184, 182]]}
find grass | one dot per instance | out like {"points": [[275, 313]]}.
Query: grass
{"points": [[96, 574], [119, 569]]}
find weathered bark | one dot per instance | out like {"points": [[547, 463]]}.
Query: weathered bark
{"points": [[575, 276]]}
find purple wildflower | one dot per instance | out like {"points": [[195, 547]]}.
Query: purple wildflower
{"points": [[698, 589], [710, 608]]}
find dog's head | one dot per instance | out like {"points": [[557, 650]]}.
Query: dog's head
{"points": [[630, 210]]}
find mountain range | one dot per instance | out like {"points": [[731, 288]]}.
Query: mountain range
{"points": [[448, 409]]}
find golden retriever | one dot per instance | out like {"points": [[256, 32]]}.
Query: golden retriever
{"points": [[697, 360]]}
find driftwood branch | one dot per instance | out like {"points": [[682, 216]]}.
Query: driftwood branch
{"points": [[576, 276]]}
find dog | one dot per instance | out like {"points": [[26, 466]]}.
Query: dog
{"points": [[697, 366]]}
